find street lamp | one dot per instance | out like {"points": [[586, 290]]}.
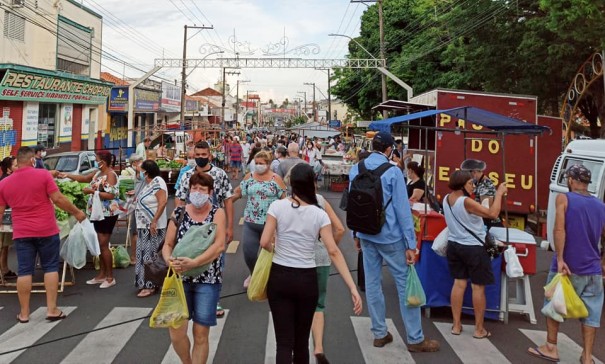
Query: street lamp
{"points": [[353, 40], [206, 56]]}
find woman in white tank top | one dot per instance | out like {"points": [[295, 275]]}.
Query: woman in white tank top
{"points": [[466, 256]]}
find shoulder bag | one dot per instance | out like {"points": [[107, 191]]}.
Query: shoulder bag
{"points": [[489, 244]]}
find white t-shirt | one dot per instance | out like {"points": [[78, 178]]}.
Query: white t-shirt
{"points": [[297, 231]]}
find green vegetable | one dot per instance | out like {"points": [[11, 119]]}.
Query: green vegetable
{"points": [[73, 191]]}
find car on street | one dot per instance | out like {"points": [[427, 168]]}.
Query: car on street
{"points": [[82, 162]]}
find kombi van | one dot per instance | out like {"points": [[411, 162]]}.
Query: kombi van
{"points": [[589, 153]]}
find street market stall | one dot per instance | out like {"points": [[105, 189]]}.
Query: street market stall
{"points": [[432, 269]]}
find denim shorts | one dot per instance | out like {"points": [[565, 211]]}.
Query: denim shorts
{"points": [[236, 164], [590, 290], [202, 299], [46, 247]]}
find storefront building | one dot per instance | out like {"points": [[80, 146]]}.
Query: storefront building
{"points": [[51, 108]]}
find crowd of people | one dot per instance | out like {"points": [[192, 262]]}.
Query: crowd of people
{"points": [[285, 214]]}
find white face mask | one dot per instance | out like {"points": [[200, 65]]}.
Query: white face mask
{"points": [[198, 199], [260, 168], [43, 154], [191, 163]]}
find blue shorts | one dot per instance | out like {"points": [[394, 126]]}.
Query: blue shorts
{"points": [[236, 164], [590, 290], [47, 248], [202, 299]]}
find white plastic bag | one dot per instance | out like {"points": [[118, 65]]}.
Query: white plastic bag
{"points": [[90, 237], [549, 311], [558, 300], [73, 250], [514, 269], [440, 242], [97, 208]]}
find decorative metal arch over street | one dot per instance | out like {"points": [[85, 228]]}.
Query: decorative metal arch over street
{"points": [[270, 63]]}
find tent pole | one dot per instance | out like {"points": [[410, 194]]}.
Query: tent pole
{"points": [[505, 197]]}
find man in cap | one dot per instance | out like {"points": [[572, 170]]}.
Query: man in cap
{"points": [[579, 226], [394, 245], [485, 190]]}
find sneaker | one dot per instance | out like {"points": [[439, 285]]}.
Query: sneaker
{"points": [[385, 340], [427, 346], [95, 281], [107, 284], [247, 282], [9, 275]]}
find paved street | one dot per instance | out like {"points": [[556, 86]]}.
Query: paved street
{"points": [[245, 334]]}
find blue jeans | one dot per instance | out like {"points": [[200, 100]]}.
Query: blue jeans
{"points": [[394, 257]]}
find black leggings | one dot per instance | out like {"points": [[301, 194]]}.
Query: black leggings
{"points": [[293, 294]]}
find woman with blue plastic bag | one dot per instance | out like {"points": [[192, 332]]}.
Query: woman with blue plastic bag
{"points": [[202, 291], [294, 224]]}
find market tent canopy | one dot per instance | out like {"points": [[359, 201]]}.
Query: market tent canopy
{"points": [[314, 129], [475, 115]]}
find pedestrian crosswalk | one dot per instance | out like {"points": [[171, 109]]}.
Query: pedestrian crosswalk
{"points": [[114, 333]]}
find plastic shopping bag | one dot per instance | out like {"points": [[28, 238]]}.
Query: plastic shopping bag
{"points": [[90, 237], [440, 242], [549, 310], [195, 242], [549, 289], [257, 290], [171, 310], [513, 266], [97, 208], [120, 256], [573, 303], [73, 250], [558, 300], [413, 290]]}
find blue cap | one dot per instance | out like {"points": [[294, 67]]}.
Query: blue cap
{"points": [[385, 138]]}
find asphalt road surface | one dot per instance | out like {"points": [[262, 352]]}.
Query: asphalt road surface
{"points": [[245, 334]]}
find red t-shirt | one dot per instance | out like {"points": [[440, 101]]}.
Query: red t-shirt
{"points": [[27, 192]]}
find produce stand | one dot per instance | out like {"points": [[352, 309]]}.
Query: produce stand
{"points": [[64, 229], [336, 171], [169, 171], [430, 264]]}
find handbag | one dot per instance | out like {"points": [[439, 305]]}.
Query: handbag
{"points": [[490, 243], [440, 243], [156, 268]]}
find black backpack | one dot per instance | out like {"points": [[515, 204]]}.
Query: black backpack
{"points": [[365, 213]]}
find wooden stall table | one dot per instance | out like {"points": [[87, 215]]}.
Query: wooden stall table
{"points": [[64, 229]]}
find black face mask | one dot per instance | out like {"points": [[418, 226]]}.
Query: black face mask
{"points": [[202, 162]]}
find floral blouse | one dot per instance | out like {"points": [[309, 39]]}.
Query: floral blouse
{"points": [[260, 195], [214, 274], [110, 207]]}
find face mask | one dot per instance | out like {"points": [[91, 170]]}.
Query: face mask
{"points": [[95, 164], [191, 163], [43, 154], [198, 199], [141, 175], [260, 168], [202, 162], [309, 146]]}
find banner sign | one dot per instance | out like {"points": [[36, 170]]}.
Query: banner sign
{"points": [[29, 127], [118, 99], [145, 100], [24, 86], [334, 124], [171, 97], [191, 105]]}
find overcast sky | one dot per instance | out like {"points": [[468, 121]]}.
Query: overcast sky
{"points": [[138, 31]]}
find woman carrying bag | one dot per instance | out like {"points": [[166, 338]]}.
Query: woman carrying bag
{"points": [[466, 255], [150, 214], [294, 224], [202, 291]]}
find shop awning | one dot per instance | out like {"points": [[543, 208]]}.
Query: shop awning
{"points": [[475, 115]]}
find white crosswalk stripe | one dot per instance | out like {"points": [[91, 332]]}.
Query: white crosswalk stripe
{"points": [[393, 353], [110, 341], [214, 339], [569, 351], [107, 346], [22, 335], [468, 349]]}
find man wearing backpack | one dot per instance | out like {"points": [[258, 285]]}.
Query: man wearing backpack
{"points": [[377, 195]]}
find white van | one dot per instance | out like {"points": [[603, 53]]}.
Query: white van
{"points": [[591, 154]]}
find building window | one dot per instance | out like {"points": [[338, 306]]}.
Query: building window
{"points": [[47, 124], [14, 27], [74, 44]]}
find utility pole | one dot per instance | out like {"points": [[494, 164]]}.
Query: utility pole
{"points": [[237, 101], [184, 71], [224, 88], [329, 94], [247, 102], [314, 104], [305, 108], [382, 47]]}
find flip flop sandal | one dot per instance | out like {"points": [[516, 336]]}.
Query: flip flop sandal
{"points": [[220, 312], [20, 320], [456, 333], [56, 318], [487, 334], [539, 354]]}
